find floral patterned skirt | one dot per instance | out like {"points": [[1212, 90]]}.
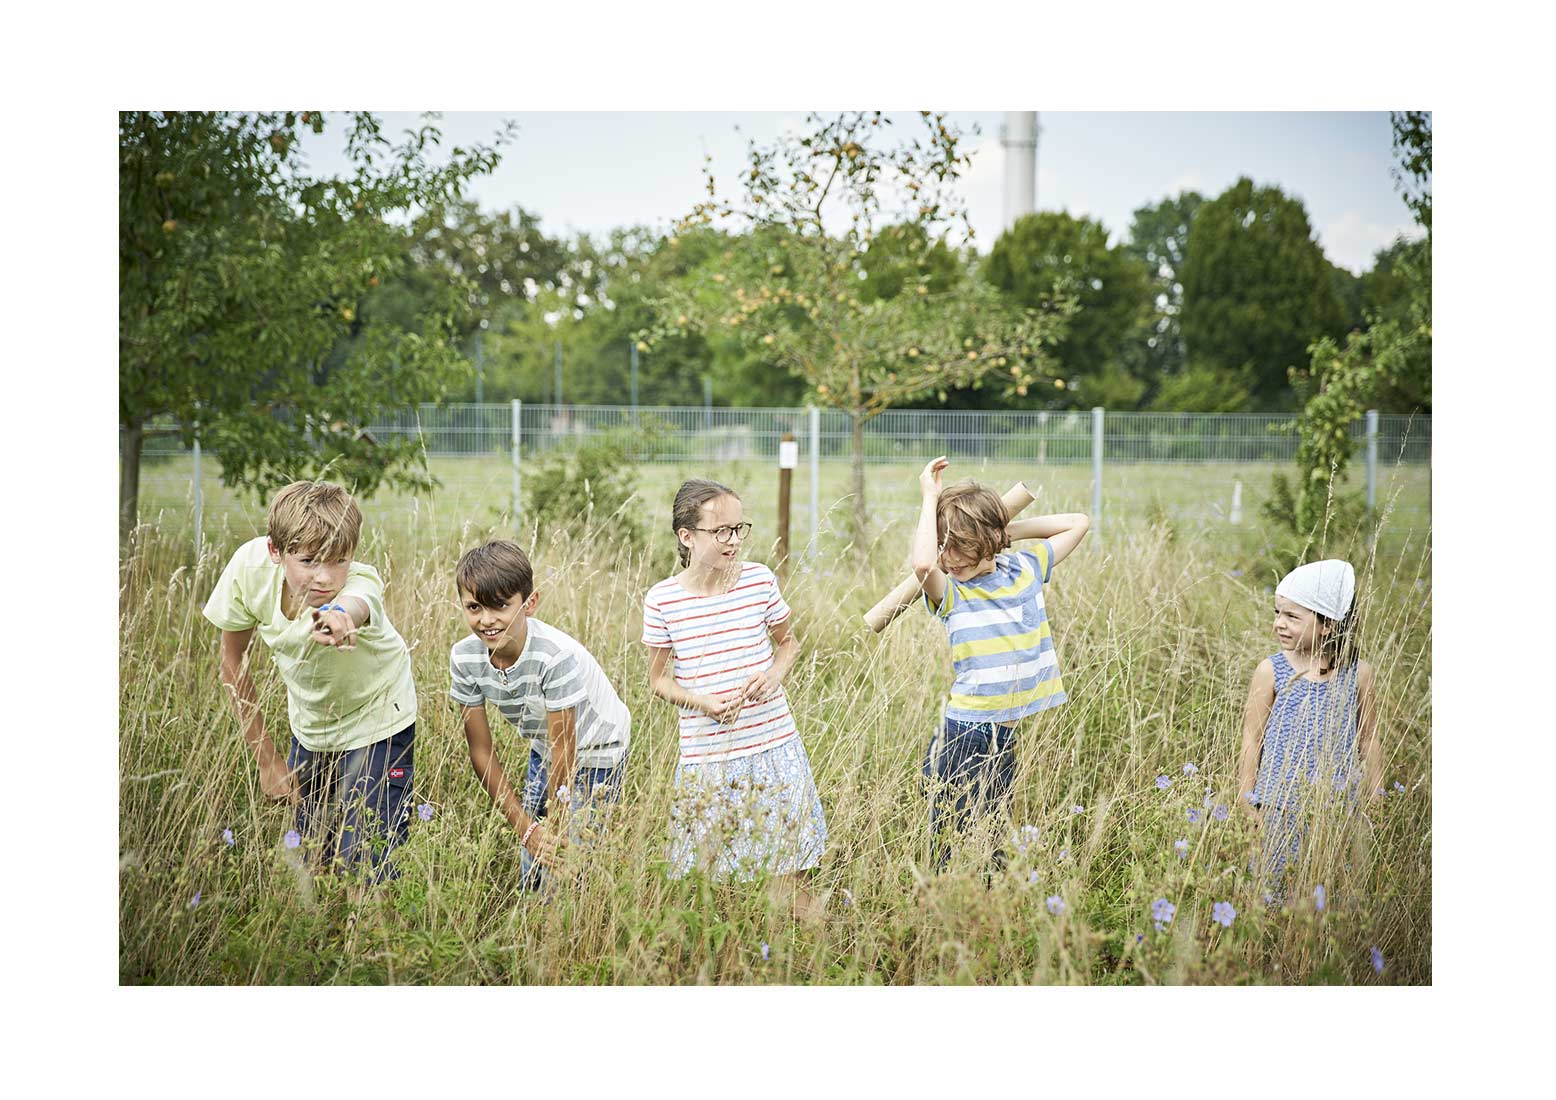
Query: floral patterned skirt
{"points": [[738, 818]]}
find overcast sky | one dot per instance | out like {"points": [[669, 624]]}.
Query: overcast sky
{"points": [[594, 171]]}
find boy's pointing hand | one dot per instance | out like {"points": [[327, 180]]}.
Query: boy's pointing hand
{"points": [[333, 627]]}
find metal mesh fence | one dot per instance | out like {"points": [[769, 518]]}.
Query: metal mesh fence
{"points": [[681, 434]]}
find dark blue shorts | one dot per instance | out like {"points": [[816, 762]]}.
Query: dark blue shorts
{"points": [[968, 772], [356, 805]]}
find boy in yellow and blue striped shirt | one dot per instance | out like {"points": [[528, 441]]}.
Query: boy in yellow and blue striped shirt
{"points": [[990, 599]]}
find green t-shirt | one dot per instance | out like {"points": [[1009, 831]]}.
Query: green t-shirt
{"points": [[337, 699]]}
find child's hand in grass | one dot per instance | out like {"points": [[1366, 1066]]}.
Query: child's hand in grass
{"points": [[546, 845], [277, 781]]}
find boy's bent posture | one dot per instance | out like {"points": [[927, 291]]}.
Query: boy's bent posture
{"points": [[991, 602], [548, 686], [350, 699]]}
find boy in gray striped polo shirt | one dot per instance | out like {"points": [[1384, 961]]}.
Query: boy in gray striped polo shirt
{"points": [[546, 685]]}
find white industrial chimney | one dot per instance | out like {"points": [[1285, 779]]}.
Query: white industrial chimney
{"points": [[1018, 137]]}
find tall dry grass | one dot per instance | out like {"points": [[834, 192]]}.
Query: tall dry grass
{"points": [[1157, 629]]}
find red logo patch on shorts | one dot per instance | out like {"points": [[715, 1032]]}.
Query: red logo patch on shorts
{"points": [[396, 773]]}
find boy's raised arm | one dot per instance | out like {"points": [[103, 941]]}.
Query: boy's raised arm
{"points": [[1063, 530], [275, 778], [925, 556]]}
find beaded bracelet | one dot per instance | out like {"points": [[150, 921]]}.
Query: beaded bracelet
{"points": [[534, 823]]}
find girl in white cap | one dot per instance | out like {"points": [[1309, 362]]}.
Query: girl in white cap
{"points": [[1310, 710]]}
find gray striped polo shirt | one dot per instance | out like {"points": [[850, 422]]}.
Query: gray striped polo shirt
{"points": [[552, 673]]}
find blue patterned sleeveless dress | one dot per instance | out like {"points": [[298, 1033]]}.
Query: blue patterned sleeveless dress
{"points": [[1310, 735]]}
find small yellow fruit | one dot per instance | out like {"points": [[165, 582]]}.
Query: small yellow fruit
{"points": [[822, 389], [169, 225], [642, 345], [913, 353], [1058, 383], [347, 313], [972, 355], [768, 339]]}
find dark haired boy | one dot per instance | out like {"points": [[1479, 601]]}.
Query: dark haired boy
{"points": [[548, 687]]}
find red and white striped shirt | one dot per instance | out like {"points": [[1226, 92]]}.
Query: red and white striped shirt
{"points": [[718, 643]]}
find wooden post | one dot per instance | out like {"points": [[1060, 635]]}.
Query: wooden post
{"points": [[788, 459]]}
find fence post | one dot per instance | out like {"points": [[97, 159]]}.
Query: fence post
{"points": [[518, 410], [1096, 471], [1372, 460], [634, 385], [815, 481], [199, 497]]}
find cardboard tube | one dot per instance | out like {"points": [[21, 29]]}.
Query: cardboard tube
{"points": [[900, 598]]}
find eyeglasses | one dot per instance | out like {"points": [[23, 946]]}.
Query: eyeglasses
{"points": [[725, 534]]}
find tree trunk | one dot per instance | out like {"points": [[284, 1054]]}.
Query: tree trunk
{"points": [[130, 438], [861, 516]]}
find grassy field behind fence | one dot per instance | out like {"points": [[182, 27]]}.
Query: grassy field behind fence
{"points": [[1158, 625]]}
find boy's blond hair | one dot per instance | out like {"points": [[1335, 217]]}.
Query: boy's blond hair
{"points": [[971, 520], [315, 516]]}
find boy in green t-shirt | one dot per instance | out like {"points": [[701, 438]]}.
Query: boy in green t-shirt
{"points": [[350, 698]]}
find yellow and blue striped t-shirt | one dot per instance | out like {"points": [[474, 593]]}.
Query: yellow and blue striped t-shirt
{"points": [[1002, 650]]}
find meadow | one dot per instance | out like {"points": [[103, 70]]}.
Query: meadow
{"points": [[1159, 620]]}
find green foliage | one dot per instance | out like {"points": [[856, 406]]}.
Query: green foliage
{"points": [[241, 276], [1049, 252], [1203, 389], [1257, 289], [800, 292], [592, 488], [1340, 384], [1159, 238]]}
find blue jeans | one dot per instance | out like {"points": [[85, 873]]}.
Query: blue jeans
{"points": [[590, 790], [968, 772], [356, 804]]}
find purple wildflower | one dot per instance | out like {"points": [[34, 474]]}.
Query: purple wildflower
{"points": [[1064, 853], [291, 839], [1077, 809], [1377, 959], [1220, 813], [1032, 879], [227, 837], [1318, 897], [848, 899], [196, 901], [1181, 846], [1162, 912], [1194, 816], [1235, 573], [1139, 937], [1400, 787], [1223, 913], [1025, 838], [1056, 905], [765, 950], [424, 811], [1190, 769], [1163, 782]]}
